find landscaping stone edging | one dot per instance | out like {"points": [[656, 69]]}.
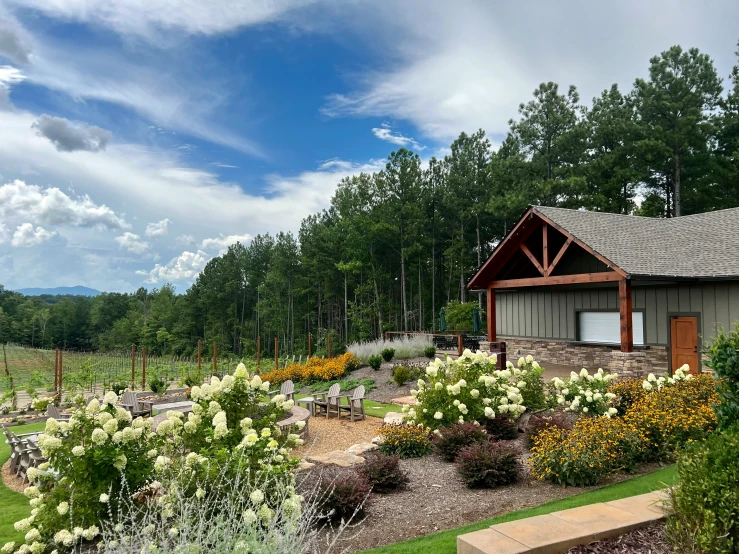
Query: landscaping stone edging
{"points": [[559, 531]]}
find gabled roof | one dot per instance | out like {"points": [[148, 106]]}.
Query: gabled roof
{"points": [[695, 246]]}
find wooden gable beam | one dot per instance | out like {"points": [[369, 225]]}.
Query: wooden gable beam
{"points": [[545, 246], [582, 245], [531, 257], [558, 257], [600, 277]]}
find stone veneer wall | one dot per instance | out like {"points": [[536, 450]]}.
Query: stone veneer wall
{"points": [[642, 361]]}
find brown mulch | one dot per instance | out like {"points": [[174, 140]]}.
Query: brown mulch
{"points": [[11, 481], [436, 499], [648, 540], [326, 435]]}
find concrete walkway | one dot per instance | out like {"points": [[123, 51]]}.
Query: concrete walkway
{"points": [[559, 531]]}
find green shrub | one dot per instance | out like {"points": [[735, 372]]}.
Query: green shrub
{"points": [[405, 440], [387, 354], [191, 379], [487, 464], [118, 388], [705, 502], [724, 360], [157, 385], [401, 375], [374, 362], [459, 315], [448, 441], [429, 352], [383, 472], [534, 396]]}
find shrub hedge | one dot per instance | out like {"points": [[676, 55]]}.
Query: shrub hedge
{"points": [[448, 441]]}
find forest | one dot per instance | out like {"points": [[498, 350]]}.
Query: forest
{"points": [[396, 246]]}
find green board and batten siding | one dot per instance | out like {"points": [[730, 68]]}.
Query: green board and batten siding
{"points": [[547, 313]]}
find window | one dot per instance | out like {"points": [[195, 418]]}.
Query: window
{"points": [[605, 327]]}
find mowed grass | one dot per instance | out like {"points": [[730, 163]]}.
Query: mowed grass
{"points": [[371, 408], [13, 505], [445, 542]]}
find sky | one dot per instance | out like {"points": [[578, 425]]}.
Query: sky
{"points": [[140, 138]]}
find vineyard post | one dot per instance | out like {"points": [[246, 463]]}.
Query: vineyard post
{"points": [[133, 367], [215, 358], [310, 343], [199, 359], [259, 351], [61, 376], [277, 353], [143, 369], [329, 344], [460, 345], [56, 369]]}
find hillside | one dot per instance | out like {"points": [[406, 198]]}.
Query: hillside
{"points": [[72, 291]]}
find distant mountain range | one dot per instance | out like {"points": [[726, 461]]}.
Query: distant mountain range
{"points": [[73, 291]]}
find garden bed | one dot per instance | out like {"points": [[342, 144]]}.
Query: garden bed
{"points": [[436, 499], [648, 540]]}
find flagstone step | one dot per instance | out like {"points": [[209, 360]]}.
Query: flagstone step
{"points": [[559, 531]]}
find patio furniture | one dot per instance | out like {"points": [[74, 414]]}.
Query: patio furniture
{"points": [[53, 411], [355, 405], [184, 406], [137, 407], [328, 401], [287, 389], [309, 404]]}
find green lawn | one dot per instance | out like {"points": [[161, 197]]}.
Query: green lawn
{"points": [[13, 505], [371, 408], [446, 541]]}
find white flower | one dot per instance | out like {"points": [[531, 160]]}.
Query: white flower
{"points": [[91, 532], [8, 547], [104, 498], [99, 436], [438, 415], [474, 393], [257, 496], [529, 359], [489, 413], [33, 535], [62, 508], [585, 409], [110, 398], [647, 386], [438, 386], [250, 517]]}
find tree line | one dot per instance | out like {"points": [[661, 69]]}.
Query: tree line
{"points": [[397, 245]]}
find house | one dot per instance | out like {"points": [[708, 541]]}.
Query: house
{"points": [[631, 294]]}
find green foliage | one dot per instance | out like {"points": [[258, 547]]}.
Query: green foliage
{"points": [[487, 464], [459, 315], [430, 352], [404, 440], [344, 385], [118, 388], [401, 375], [724, 360], [383, 472], [704, 502], [157, 385], [448, 441], [387, 354], [374, 362]]}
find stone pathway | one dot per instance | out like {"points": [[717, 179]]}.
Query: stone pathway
{"points": [[347, 458], [559, 531]]}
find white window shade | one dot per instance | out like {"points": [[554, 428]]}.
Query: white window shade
{"points": [[605, 327]]}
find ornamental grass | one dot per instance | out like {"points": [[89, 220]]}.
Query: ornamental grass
{"points": [[315, 369]]}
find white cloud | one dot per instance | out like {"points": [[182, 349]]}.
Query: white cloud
{"points": [[158, 229], [25, 236], [4, 233], [51, 206], [185, 240], [385, 132], [9, 76], [69, 136], [14, 41], [184, 267], [222, 243], [132, 243]]}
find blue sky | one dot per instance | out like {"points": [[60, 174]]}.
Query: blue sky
{"points": [[138, 139]]}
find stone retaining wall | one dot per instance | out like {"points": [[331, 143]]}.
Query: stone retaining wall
{"points": [[652, 359]]}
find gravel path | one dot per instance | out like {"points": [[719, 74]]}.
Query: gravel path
{"points": [[326, 435]]}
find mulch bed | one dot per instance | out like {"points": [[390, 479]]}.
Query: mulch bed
{"points": [[436, 499], [648, 540], [11, 481]]}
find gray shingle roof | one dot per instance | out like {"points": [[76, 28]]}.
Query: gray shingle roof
{"points": [[700, 245]]}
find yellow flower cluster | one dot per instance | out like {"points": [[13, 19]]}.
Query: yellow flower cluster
{"points": [[405, 440], [593, 448], [627, 391], [652, 428], [315, 369]]}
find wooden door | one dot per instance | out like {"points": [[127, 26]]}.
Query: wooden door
{"points": [[684, 342]]}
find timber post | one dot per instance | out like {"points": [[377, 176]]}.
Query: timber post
{"points": [[259, 351], [492, 331], [277, 353], [215, 358], [460, 344], [626, 315], [310, 344], [56, 369], [143, 368], [133, 367], [329, 344], [199, 360]]}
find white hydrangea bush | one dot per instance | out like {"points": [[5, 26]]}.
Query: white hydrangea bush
{"points": [[101, 447], [468, 389], [585, 393], [652, 383]]}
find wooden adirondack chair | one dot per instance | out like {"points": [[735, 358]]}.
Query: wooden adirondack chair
{"points": [[328, 401], [355, 405], [53, 411], [287, 389], [137, 407]]}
